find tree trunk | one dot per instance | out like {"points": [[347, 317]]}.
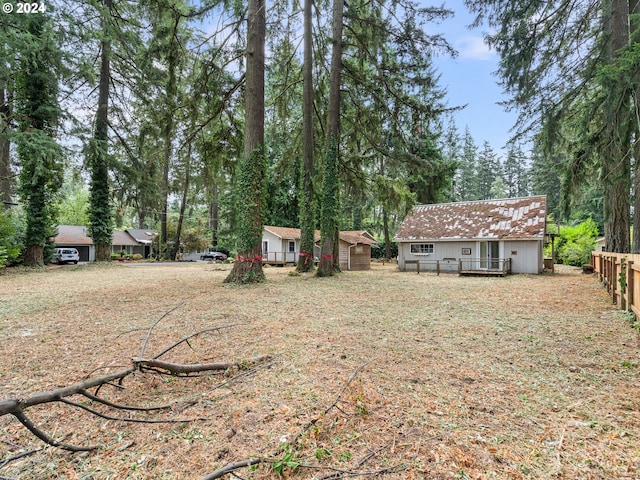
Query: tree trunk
{"points": [[307, 227], [329, 260], [248, 265], [183, 206], [616, 168], [167, 134], [214, 211], [634, 37], [6, 177], [100, 204]]}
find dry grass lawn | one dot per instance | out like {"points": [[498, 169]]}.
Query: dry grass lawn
{"points": [[524, 377]]}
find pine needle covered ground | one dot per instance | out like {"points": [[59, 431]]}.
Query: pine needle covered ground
{"points": [[423, 376]]}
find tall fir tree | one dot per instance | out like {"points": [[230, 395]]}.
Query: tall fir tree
{"points": [[38, 113]]}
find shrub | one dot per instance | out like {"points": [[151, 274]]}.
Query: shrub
{"points": [[136, 256], [3, 257], [576, 243]]}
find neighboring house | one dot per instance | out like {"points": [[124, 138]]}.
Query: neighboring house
{"points": [[75, 236], [122, 241], [131, 241], [144, 239], [481, 235], [281, 246], [600, 244]]}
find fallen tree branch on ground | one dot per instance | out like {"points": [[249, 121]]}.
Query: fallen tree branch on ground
{"points": [[17, 406]]}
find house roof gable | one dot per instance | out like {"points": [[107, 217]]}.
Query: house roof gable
{"points": [[72, 235], [122, 238], [141, 235], [286, 233], [509, 218]]}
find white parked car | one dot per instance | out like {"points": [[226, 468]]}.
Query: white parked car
{"points": [[65, 255]]}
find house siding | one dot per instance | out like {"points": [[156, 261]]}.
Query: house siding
{"points": [[350, 260], [447, 253], [527, 259], [278, 249]]}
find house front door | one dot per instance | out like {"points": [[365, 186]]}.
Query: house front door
{"points": [[490, 255]]}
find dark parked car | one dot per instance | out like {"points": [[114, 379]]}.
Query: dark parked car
{"points": [[215, 256]]}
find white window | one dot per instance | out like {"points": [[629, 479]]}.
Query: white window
{"points": [[421, 248], [265, 246], [292, 246]]}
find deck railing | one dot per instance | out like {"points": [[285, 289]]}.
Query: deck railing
{"points": [[479, 266], [280, 258]]}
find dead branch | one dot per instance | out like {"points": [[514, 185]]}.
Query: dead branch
{"points": [[189, 337], [180, 369], [18, 456], [167, 313], [17, 406]]}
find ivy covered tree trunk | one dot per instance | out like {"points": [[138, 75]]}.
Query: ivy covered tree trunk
{"points": [[38, 153], [252, 169], [6, 177], [101, 225], [329, 258], [307, 227]]}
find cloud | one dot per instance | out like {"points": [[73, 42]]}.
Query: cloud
{"points": [[474, 48]]}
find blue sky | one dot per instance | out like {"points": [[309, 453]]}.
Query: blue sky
{"points": [[469, 79]]}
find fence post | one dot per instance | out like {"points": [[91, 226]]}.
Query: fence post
{"points": [[630, 282], [418, 266], [459, 266], [437, 267], [614, 268]]}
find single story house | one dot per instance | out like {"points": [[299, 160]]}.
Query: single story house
{"points": [[75, 236], [131, 241], [482, 235], [122, 241], [281, 246], [144, 239]]}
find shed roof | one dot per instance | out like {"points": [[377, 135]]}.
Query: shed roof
{"points": [[72, 235], [517, 218], [357, 236], [352, 236]]}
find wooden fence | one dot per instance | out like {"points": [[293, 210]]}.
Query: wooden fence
{"points": [[620, 275]]}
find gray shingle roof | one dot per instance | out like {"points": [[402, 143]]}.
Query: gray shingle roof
{"points": [[507, 218]]}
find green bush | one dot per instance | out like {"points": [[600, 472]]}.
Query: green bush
{"points": [[12, 229], [3, 257], [575, 244]]}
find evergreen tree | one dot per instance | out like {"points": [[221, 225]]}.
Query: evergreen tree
{"points": [[248, 265], [101, 225], [466, 180], [38, 114], [307, 226], [329, 229], [488, 169]]}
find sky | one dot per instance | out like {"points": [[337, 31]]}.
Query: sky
{"points": [[470, 80]]}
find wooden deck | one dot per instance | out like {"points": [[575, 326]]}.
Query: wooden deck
{"points": [[484, 273]]}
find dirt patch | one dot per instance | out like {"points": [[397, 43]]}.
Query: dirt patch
{"points": [[516, 377]]}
